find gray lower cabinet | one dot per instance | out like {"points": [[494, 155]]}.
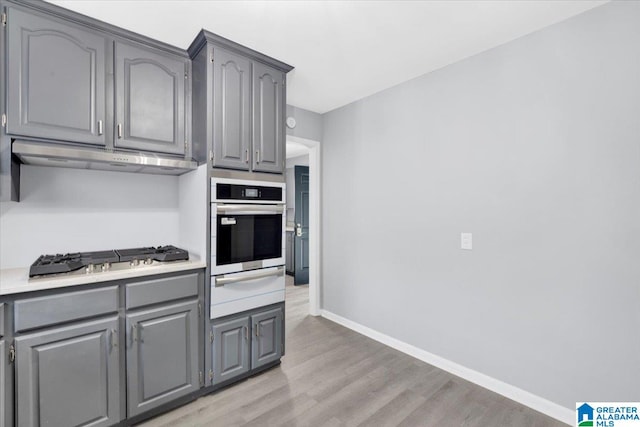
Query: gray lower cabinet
{"points": [[267, 338], [268, 119], [97, 355], [6, 380], [245, 342], [230, 349], [69, 376], [4, 362], [56, 79], [231, 110], [162, 355], [150, 100]]}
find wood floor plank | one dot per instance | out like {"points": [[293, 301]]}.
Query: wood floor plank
{"points": [[332, 376], [395, 411], [281, 414], [438, 404]]}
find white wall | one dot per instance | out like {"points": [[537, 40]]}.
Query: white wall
{"points": [[192, 202], [70, 210], [298, 161], [534, 147]]}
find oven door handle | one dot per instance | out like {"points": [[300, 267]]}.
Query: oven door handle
{"points": [[250, 209], [221, 281]]}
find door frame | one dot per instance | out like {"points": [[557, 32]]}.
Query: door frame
{"points": [[314, 221]]}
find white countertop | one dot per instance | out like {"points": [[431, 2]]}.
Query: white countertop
{"points": [[16, 280]]}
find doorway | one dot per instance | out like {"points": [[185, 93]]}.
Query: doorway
{"points": [[304, 153]]}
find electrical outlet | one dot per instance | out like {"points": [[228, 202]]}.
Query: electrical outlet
{"points": [[466, 241]]}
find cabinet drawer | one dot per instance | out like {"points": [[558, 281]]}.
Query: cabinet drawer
{"points": [[161, 290], [1, 320], [238, 292], [43, 311]]}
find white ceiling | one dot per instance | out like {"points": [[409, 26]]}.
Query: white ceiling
{"points": [[342, 50]]}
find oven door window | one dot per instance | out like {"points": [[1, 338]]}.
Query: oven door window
{"points": [[243, 238]]}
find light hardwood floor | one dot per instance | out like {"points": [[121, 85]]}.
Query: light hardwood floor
{"points": [[332, 376]]}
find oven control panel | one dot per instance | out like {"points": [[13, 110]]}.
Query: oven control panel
{"points": [[226, 191]]}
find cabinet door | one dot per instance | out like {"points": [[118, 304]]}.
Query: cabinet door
{"points": [[4, 420], [56, 75], [6, 389], [231, 110], [150, 100], [230, 349], [268, 119], [162, 355], [267, 338], [69, 376]]}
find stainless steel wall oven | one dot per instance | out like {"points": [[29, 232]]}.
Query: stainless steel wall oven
{"points": [[247, 244]]}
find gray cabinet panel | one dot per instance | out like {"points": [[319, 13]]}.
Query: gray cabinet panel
{"points": [[162, 357], [268, 119], [150, 100], [4, 420], [230, 349], [42, 311], [2, 320], [69, 376], [232, 110], [267, 337], [56, 79], [161, 290]]}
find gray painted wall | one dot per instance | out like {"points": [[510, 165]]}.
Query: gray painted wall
{"points": [[309, 124], [534, 147]]}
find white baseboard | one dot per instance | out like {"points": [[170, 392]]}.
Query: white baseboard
{"points": [[537, 403]]}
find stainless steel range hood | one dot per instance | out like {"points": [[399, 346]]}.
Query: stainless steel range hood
{"points": [[78, 157]]}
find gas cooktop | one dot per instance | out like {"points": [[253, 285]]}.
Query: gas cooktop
{"points": [[117, 259]]}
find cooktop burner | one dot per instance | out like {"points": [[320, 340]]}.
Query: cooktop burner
{"points": [[104, 260]]}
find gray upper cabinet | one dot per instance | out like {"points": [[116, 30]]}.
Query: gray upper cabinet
{"points": [[267, 338], [232, 110], [230, 349], [69, 376], [239, 100], [268, 119], [56, 79], [162, 355], [150, 100]]}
